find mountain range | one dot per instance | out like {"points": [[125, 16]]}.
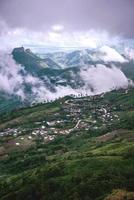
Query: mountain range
{"points": [[79, 143], [48, 76]]}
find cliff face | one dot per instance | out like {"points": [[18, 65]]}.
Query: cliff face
{"points": [[30, 61], [26, 58]]}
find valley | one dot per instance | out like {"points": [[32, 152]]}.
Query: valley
{"points": [[66, 100]]}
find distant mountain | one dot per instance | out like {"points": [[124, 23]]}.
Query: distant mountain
{"points": [[105, 55], [102, 55], [61, 62], [31, 61], [52, 75], [46, 66]]}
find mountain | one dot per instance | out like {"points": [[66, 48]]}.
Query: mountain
{"points": [[72, 148], [79, 143], [104, 54], [45, 77], [31, 61], [56, 64], [61, 62]]}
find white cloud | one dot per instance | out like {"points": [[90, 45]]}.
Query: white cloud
{"points": [[13, 82], [103, 79], [10, 78], [57, 28], [57, 36], [129, 53], [99, 78], [108, 54]]}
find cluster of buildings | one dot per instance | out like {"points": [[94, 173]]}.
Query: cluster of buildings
{"points": [[84, 114]]}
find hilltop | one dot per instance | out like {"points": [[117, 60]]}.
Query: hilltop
{"points": [[31, 61]]}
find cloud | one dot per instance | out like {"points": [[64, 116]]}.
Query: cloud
{"points": [[96, 79], [57, 37], [108, 54], [129, 53], [57, 28], [14, 79], [102, 79], [116, 16], [10, 79]]}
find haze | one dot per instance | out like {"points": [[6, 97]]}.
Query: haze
{"points": [[114, 16]]}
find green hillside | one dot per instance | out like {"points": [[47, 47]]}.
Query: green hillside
{"points": [[73, 149]]}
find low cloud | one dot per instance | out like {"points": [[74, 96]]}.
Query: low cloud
{"points": [[10, 78], [96, 79], [108, 54], [129, 53], [102, 79], [14, 78]]}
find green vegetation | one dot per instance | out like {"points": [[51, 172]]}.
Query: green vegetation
{"points": [[86, 164]]}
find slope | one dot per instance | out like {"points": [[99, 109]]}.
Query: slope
{"points": [[44, 155]]}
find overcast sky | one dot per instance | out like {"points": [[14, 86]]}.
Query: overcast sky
{"points": [[115, 16]]}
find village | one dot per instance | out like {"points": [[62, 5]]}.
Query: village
{"points": [[76, 115]]}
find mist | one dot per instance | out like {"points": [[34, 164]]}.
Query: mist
{"points": [[103, 79], [55, 37], [97, 79], [50, 26]]}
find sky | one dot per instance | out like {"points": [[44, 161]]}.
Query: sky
{"points": [[65, 23], [114, 16]]}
